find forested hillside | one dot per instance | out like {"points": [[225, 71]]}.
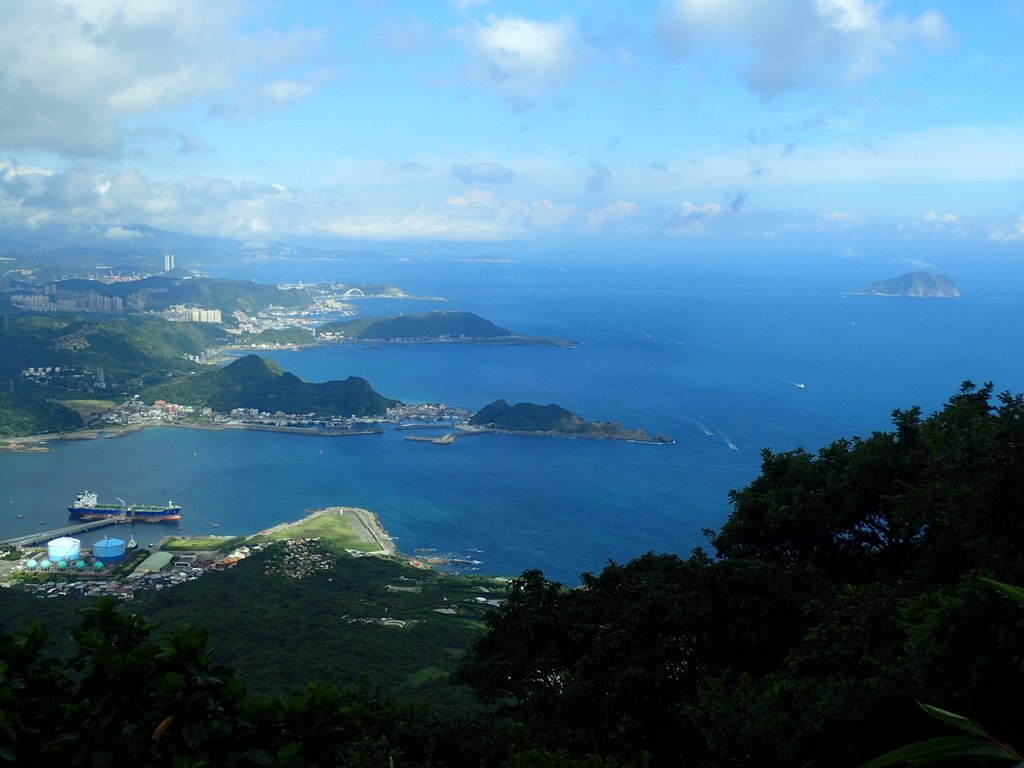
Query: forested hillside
{"points": [[253, 382], [426, 325], [845, 586]]}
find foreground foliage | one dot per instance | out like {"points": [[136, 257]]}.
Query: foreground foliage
{"points": [[845, 586], [124, 699]]}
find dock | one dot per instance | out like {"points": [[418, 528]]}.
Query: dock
{"points": [[450, 437], [446, 439], [44, 536]]}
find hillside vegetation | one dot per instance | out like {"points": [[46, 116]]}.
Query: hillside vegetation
{"points": [[916, 285], [86, 356], [427, 325], [33, 415], [160, 291], [254, 382], [531, 417], [845, 586]]}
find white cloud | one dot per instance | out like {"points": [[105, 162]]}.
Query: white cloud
{"points": [[841, 219], [514, 220], [120, 233], [920, 265], [485, 173], [788, 44], [279, 93], [932, 224], [74, 70], [617, 211], [522, 58], [105, 200], [544, 215], [691, 218], [1012, 234], [482, 198]]}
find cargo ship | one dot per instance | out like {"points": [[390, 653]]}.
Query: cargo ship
{"points": [[87, 507]]}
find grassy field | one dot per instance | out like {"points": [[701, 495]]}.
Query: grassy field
{"points": [[86, 408], [201, 543], [336, 531]]}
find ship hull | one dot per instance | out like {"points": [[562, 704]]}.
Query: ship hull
{"points": [[169, 515], [87, 506]]}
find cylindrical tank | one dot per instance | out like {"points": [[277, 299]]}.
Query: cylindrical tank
{"points": [[108, 549], [64, 548]]}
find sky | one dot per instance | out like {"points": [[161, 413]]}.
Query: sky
{"points": [[679, 124]]}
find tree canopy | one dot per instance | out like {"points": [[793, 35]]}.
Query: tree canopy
{"points": [[846, 585]]}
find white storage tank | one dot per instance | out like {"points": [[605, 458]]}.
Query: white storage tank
{"points": [[64, 548]]}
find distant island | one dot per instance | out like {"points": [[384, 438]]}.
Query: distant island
{"points": [[439, 325], [553, 419], [914, 284]]}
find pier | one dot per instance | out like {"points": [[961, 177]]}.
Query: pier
{"points": [[44, 536]]}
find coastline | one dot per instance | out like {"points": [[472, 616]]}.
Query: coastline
{"points": [[366, 526], [450, 437], [222, 354], [37, 443]]}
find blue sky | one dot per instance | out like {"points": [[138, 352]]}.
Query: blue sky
{"points": [[835, 124]]}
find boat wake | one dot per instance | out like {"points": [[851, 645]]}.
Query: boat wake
{"points": [[729, 443], [797, 384]]}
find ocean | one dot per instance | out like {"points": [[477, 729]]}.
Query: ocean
{"points": [[726, 362]]}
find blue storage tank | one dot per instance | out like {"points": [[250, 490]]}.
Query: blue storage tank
{"points": [[108, 550]]}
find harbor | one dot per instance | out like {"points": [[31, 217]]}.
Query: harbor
{"points": [[41, 537]]}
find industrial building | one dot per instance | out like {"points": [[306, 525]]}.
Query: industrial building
{"points": [[155, 563]]}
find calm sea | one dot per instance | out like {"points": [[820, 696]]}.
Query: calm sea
{"points": [[714, 361]]}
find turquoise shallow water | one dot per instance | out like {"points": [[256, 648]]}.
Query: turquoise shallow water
{"points": [[657, 352]]}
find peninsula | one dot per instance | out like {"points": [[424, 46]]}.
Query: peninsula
{"points": [[436, 326], [915, 285], [255, 382], [531, 418]]}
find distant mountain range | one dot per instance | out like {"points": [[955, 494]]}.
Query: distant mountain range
{"points": [[914, 284], [131, 247]]}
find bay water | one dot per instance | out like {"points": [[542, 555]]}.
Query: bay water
{"points": [[725, 365]]}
